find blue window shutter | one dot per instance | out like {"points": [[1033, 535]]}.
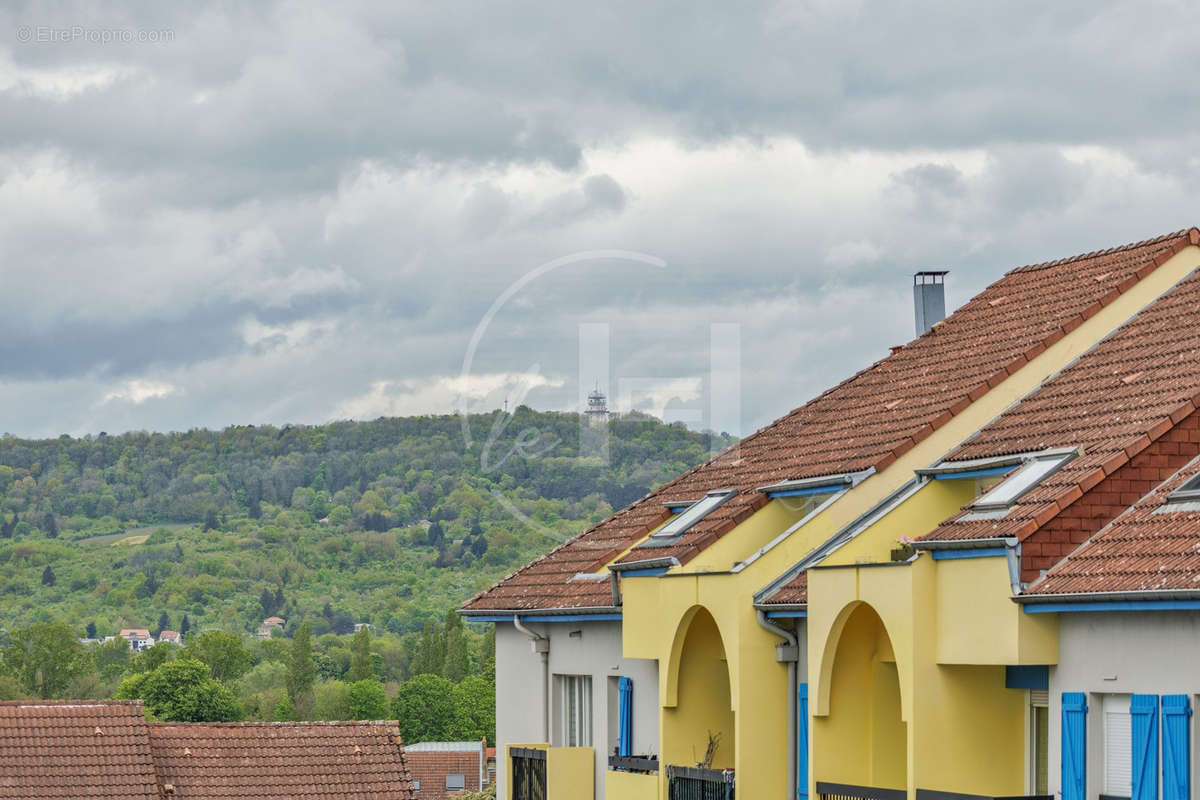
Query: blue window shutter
{"points": [[802, 741], [1143, 712], [1176, 747], [1074, 746], [625, 717]]}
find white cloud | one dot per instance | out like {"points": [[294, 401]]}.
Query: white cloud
{"points": [[139, 390]]}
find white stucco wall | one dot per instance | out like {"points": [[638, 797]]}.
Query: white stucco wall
{"points": [[1120, 653], [587, 648]]}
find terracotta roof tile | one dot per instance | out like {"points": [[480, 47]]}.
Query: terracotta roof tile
{"points": [[293, 760], [1113, 401], [1148, 548], [78, 750], [858, 423]]}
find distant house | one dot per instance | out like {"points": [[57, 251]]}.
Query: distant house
{"points": [[170, 636], [358, 626], [105, 750], [139, 638], [445, 769], [268, 625]]}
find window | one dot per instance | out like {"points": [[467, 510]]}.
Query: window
{"points": [[1039, 740], [575, 710], [684, 520], [1188, 493], [416, 785], [456, 782], [1118, 746], [1026, 477]]}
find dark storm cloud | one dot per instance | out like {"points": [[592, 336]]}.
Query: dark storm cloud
{"points": [[285, 212]]}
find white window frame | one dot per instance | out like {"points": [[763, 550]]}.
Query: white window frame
{"points": [[680, 523], [575, 710], [1117, 738]]}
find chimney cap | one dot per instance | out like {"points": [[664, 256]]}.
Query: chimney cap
{"points": [[930, 276]]}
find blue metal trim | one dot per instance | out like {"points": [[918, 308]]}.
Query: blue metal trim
{"points": [[978, 552], [550, 618], [787, 615], [642, 573], [832, 488], [1027, 677], [975, 473], [1114, 605]]}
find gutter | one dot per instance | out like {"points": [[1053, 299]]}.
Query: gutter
{"points": [[791, 653], [541, 646], [1102, 597]]}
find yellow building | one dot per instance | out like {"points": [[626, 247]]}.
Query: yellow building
{"points": [[828, 608]]}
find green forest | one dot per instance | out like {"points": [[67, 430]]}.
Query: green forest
{"points": [[392, 523]]}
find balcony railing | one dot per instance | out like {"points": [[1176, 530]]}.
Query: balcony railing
{"points": [[528, 773], [693, 783], [848, 791], [647, 765]]}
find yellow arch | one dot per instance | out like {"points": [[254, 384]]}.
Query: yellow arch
{"points": [[829, 659]]}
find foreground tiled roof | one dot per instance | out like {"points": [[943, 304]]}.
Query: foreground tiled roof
{"points": [[868, 420], [78, 750], [1114, 402], [293, 760], [1149, 548]]}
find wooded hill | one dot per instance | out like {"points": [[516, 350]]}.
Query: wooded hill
{"points": [[391, 522]]}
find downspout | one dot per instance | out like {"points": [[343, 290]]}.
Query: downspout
{"points": [[541, 646], [794, 656]]}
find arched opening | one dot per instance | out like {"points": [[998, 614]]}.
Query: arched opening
{"points": [[703, 702], [863, 740]]}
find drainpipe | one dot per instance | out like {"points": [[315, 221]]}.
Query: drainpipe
{"points": [[541, 646], [790, 654]]}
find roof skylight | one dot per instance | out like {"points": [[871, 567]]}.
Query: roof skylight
{"points": [[686, 519], [1021, 481], [1188, 493]]}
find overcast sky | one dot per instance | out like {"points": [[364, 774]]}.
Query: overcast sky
{"points": [[281, 214]]}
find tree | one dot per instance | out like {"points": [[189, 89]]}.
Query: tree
{"points": [[301, 669], [90, 630], [50, 525], [284, 712], [48, 578], [211, 523], [457, 663], [474, 710], [431, 653], [360, 657], [425, 709], [267, 601], [182, 691], [223, 652], [185, 625], [112, 657], [164, 622], [45, 657], [435, 536], [479, 545], [331, 701], [368, 700]]}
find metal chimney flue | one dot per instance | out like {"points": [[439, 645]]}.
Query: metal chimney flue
{"points": [[929, 298]]}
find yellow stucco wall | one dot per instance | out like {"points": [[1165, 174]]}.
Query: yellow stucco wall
{"points": [[706, 703], [630, 786]]}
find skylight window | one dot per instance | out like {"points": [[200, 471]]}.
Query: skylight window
{"points": [[1021, 481], [1188, 493], [682, 521]]}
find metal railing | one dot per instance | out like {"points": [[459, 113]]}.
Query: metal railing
{"points": [[529, 773], [693, 783], [644, 764], [848, 791]]}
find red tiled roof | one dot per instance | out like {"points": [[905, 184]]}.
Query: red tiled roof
{"points": [[77, 750], [293, 760], [1114, 402], [866, 421], [1148, 548]]}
